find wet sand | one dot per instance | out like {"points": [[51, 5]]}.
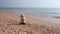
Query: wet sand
{"points": [[9, 24]]}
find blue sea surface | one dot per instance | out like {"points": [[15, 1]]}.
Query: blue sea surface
{"points": [[45, 11]]}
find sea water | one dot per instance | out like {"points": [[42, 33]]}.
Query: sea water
{"points": [[44, 11]]}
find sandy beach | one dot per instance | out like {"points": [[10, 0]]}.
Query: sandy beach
{"points": [[9, 24]]}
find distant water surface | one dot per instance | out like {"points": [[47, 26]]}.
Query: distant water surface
{"points": [[44, 11]]}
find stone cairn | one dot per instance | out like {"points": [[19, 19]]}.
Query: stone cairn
{"points": [[22, 20]]}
